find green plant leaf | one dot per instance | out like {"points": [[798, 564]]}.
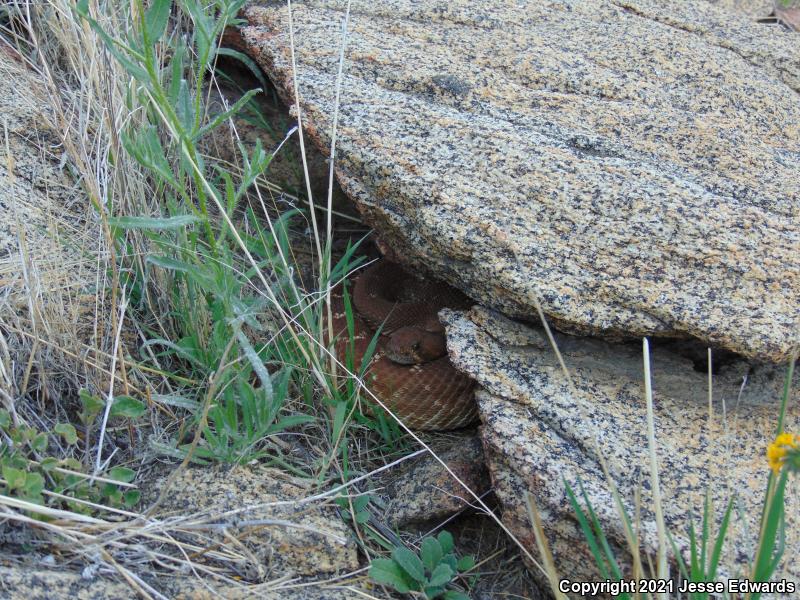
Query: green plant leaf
{"points": [[177, 400], [71, 463], [123, 474], [431, 552], [388, 572], [361, 502], [156, 223], [92, 405], [721, 535], [34, 484], [433, 591], [125, 406], [5, 418], [67, 431], [409, 562], [451, 561], [185, 108], [465, 563], [114, 46], [338, 420], [446, 540], [772, 521], [131, 498], [441, 575], [48, 464], [39, 442], [145, 147], [290, 421], [222, 117], [113, 495], [257, 363], [197, 275], [248, 62], [362, 517], [155, 20], [17, 436], [454, 595], [589, 534], [15, 478]]}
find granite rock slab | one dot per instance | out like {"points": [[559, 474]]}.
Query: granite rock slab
{"points": [[282, 532], [540, 431], [755, 9], [423, 491], [42, 582], [631, 165]]}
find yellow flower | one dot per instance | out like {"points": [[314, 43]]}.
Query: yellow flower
{"points": [[775, 456], [785, 445]]}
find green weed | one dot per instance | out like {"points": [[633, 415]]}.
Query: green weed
{"points": [[430, 571], [31, 474], [226, 286]]}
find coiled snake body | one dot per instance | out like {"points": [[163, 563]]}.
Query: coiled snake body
{"points": [[409, 370]]}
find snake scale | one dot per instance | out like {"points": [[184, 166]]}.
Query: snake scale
{"points": [[409, 370]]}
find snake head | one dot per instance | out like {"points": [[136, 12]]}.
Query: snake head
{"points": [[415, 345]]}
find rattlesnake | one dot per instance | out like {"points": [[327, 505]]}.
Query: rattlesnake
{"points": [[409, 370]]}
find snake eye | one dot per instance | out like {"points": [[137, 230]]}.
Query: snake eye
{"points": [[415, 346]]}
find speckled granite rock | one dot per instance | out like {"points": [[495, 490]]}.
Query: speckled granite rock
{"points": [[311, 592], [18, 583], [35, 583], [422, 490], [630, 162], [539, 432], [754, 9], [188, 589], [288, 537]]}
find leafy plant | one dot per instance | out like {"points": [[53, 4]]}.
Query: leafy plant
{"points": [[704, 553], [359, 513], [29, 474], [121, 406], [213, 272], [430, 571], [595, 538]]}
